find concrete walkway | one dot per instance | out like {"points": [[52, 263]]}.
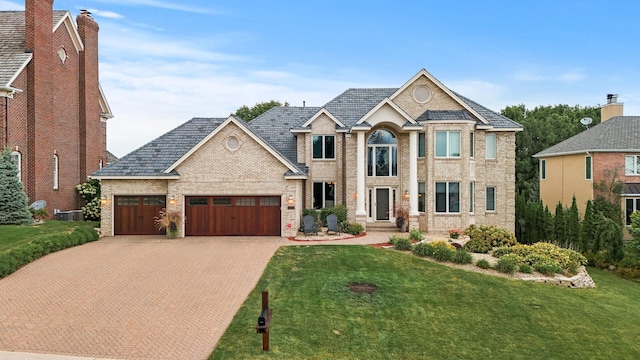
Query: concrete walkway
{"points": [[142, 297]]}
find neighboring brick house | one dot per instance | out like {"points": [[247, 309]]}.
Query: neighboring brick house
{"points": [[449, 159], [52, 110], [603, 154]]}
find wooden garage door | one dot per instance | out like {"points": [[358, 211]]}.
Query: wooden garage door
{"points": [[134, 215], [233, 215]]}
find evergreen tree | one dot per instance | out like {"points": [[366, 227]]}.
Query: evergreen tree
{"points": [[14, 207], [548, 227], [588, 230], [559, 225], [572, 225], [608, 237]]}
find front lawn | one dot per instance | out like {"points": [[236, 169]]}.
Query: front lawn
{"points": [[426, 310], [12, 236]]}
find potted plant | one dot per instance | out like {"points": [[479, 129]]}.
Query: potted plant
{"points": [[169, 219], [455, 233], [402, 216]]}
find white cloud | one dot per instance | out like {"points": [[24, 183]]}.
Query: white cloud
{"points": [[105, 14], [11, 6]]}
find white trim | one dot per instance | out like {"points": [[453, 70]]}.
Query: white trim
{"points": [[302, 131], [295, 177], [384, 102], [73, 31], [104, 105], [442, 87], [22, 67], [587, 152], [325, 112], [144, 177], [219, 128], [56, 172]]}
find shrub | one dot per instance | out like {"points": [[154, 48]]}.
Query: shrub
{"points": [[400, 243], [477, 246], [339, 210], [507, 264], [422, 249], [442, 251], [352, 228], [540, 254], [416, 234], [461, 256], [548, 269], [483, 264], [525, 268], [487, 237]]}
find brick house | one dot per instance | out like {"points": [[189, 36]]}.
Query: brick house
{"points": [[603, 154], [448, 159], [53, 112]]}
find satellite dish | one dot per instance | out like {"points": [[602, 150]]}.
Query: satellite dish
{"points": [[39, 204], [586, 121]]}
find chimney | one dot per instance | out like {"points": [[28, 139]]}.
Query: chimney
{"points": [[92, 131], [39, 41], [611, 109]]}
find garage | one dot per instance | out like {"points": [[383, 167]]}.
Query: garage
{"points": [[232, 216], [134, 215]]}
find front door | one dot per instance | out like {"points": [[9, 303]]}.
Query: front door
{"points": [[382, 204]]}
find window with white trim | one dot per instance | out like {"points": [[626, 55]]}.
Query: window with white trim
{"points": [[447, 144], [632, 165], [630, 205], [17, 159], [588, 164], [382, 154], [490, 142], [543, 169], [324, 194], [491, 198], [56, 167], [447, 197], [324, 147]]}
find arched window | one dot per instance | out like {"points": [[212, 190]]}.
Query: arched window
{"points": [[56, 164], [382, 154], [17, 159]]}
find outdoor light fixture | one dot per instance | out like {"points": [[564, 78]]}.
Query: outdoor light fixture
{"points": [[291, 203], [172, 200], [104, 200], [406, 194]]}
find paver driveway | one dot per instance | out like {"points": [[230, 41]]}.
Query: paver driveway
{"points": [[131, 297]]}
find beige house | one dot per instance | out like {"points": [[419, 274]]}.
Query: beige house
{"points": [[603, 154], [448, 159]]}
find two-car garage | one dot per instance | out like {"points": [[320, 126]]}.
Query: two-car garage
{"points": [[204, 215]]}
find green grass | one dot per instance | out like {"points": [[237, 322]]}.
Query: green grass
{"points": [[12, 236], [424, 310]]}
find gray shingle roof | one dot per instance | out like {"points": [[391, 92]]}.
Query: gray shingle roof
{"points": [[12, 43], [158, 155], [274, 127], [445, 115], [495, 119], [353, 104], [620, 133]]}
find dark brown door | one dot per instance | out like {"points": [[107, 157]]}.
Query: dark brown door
{"points": [[233, 216], [134, 215]]}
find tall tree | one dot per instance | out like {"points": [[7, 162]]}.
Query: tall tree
{"points": [[588, 229], [13, 201], [572, 219], [249, 113], [544, 126]]}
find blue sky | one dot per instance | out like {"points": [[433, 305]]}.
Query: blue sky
{"points": [[164, 62]]}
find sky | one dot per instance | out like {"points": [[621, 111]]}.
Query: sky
{"points": [[163, 62]]}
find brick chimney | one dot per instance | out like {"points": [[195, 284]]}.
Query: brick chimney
{"points": [[39, 42], [92, 130], [611, 109]]}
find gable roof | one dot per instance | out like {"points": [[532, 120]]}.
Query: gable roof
{"points": [[618, 134], [353, 104], [496, 120]]}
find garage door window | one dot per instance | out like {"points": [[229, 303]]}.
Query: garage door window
{"points": [[127, 200], [198, 202], [153, 200], [271, 201], [245, 201], [221, 201]]}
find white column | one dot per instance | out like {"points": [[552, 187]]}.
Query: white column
{"points": [[413, 173], [360, 168]]}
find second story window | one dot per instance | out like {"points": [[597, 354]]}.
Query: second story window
{"points": [[491, 146], [382, 154], [587, 167], [17, 159], [543, 169], [632, 165], [421, 144], [448, 144], [324, 147]]}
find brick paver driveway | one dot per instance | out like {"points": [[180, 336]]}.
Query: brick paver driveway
{"points": [[131, 297]]}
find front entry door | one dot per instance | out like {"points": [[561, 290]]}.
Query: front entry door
{"points": [[382, 204]]}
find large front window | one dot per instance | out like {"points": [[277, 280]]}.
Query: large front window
{"points": [[631, 205], [447, 197], [382, 154], [324, 194], [632, 165], [324, 147], [448, 144]]}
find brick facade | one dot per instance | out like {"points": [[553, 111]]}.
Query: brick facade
{"points": [[57, 113]]}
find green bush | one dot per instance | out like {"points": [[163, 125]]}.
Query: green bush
{"points": [[26, 253], [416, 235], [548, 269], [400, 243], [525, 268], [541, 254], [339, 210], [312, 212], [461, 256], [422, 249], [483, 264], [507, 264], [442, 251], [352, 228], [485, 237]]}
